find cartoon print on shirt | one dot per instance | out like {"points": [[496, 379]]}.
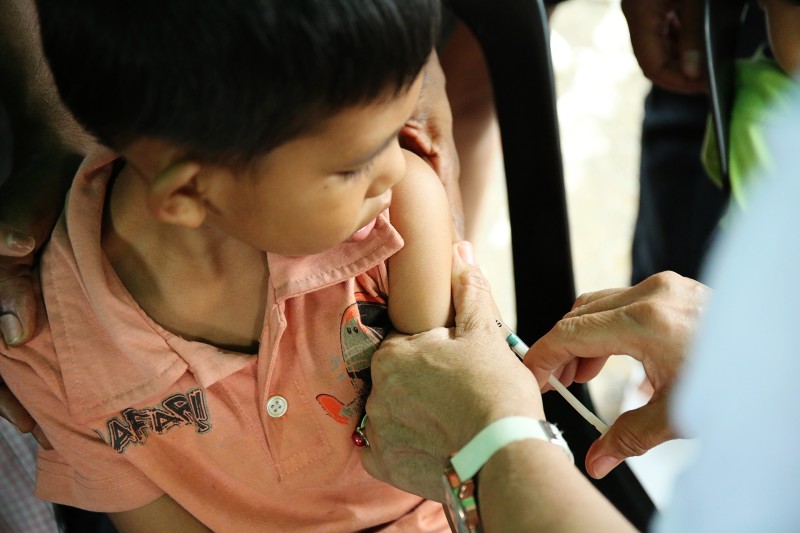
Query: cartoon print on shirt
{"points": [[177, 410], [363, 326]]}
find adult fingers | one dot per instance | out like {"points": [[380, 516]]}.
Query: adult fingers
{"points": [[651, 25], [647, 28], [690, 39], [609, 299], [632, 434], [15, 243], [472, 296], [588, 298], [595, 335], [17, 301]]}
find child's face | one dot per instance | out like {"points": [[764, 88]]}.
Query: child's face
{"points": [[315, 191], [783, 24]]}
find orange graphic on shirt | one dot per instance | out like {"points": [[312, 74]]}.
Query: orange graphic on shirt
{"points": [[363, 326]]}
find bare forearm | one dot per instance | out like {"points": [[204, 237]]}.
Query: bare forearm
{"points": [[47, 146], [530, 486], [48, 142]]}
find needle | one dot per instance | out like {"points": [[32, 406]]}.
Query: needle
{"points": [[520, 348]]}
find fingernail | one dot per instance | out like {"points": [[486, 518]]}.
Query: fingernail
{"points": [[20, 242], [466, 253], [691, 63], [11, 328], [603, 466]]}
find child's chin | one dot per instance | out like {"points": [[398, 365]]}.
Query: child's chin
{"points": [[363, 233]]}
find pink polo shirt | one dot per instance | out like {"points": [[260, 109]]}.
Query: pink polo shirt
{"points": [[243, 442]]}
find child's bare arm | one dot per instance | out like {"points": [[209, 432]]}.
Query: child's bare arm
{"points": [[419, 274], [162, 516]]}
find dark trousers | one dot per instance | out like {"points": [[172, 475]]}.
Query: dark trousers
{"points": [[679, 207]]}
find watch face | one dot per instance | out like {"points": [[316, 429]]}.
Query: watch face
{"points": [[458, 519], [461, 504]]}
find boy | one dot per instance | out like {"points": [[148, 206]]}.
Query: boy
{"points": [[762, 87], [215, 288]]}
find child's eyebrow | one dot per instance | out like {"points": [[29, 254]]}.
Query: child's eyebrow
{"points": [[372, 155]]}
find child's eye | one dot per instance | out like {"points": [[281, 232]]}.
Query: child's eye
{"points": [[357, 173], [351, 174]]}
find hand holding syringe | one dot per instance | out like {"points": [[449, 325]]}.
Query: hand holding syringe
{"points": [[520, 349]]}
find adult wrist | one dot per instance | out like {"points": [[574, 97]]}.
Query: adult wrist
{"points": [[510, 476], [460, 477]]}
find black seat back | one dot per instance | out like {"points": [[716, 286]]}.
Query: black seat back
{"points": [[514, 36]]}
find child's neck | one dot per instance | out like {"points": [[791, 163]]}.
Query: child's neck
{"points": [[198, 283]]}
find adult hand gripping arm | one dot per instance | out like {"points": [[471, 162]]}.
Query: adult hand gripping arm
{"points": [[453, 382]]}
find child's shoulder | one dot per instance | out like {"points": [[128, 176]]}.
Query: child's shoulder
{"points": [[419, 198], [419, 171], [420, 185]]}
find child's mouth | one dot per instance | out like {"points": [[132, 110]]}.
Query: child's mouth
{"points": [[362, 234]]}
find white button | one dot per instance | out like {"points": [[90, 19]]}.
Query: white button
{"points": [[277, 406]]}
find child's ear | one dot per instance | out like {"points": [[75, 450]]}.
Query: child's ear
{"points": [[174, 196]]}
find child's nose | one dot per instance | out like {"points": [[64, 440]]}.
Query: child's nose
{"points": [[390, 172]]}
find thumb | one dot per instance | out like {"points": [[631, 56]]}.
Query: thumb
{"points": [[632, 434], [472, 296], [14, 243], [691, 39]]}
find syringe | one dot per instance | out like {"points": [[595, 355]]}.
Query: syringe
{"points": [[520, 349]]}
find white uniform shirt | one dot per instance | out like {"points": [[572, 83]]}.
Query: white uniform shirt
{"points": [[741, 391]]}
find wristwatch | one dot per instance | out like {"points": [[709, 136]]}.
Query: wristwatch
{"points": [[461, 490]]}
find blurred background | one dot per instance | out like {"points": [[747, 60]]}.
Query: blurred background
{"points": [[601, 94]]}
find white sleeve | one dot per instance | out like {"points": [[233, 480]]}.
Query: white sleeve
{"points": [[739, 394]]}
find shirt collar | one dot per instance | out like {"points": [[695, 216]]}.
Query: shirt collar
{"points": [[292, 276]]}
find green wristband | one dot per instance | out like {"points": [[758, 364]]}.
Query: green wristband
{"points": [[499, 434]]}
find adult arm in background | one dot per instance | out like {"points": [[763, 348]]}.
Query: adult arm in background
{"points": [[45, 151], [667, 40], [45, 154], [453, 383], [653, 322]]}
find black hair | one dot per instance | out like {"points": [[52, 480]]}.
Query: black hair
{"points": [[228, 81]]}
